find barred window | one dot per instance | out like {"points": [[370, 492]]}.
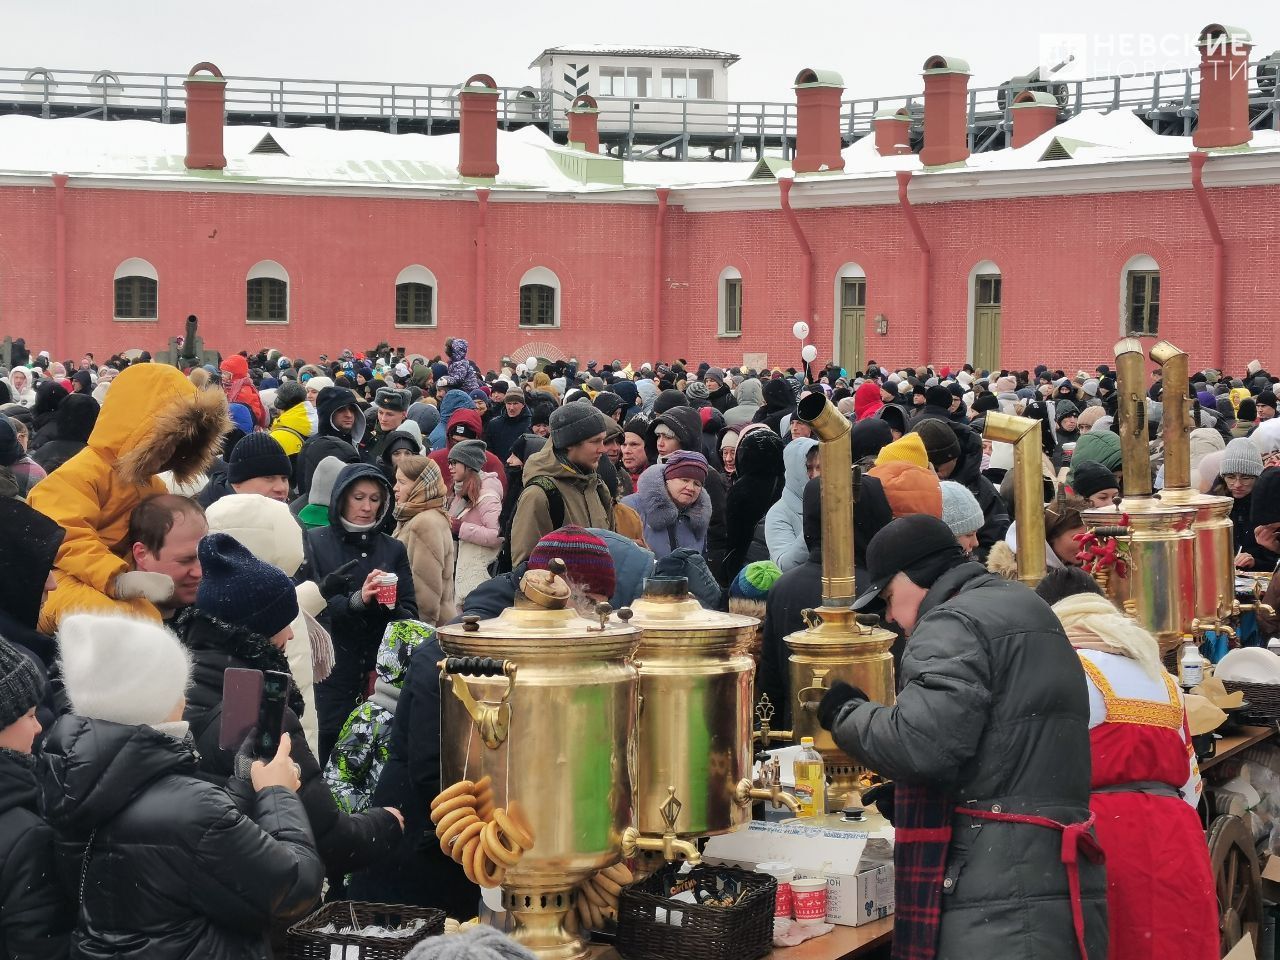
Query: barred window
{"points": [[268, 301], [136, 298], [537, 305]]}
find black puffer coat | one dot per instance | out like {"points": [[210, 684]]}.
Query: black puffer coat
{"points": [[168, 865], [968, 470], [779, 402], [35, 914], [75, 419], [993, 708], [345, 841], [356, 633], [328, 440]]}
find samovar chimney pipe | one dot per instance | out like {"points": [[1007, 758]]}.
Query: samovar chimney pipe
{"points": [[838, 589]]}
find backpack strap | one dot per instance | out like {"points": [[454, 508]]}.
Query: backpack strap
{"points": [[555, 500]]}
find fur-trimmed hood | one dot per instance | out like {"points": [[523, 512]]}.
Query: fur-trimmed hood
{"points": [[659, 511], [155, 419]]}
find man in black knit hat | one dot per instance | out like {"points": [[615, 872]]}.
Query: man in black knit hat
{"points": [[258, 464]]}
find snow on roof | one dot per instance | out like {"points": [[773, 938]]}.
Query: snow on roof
{"points": [[143, 149], [636, 50], [527, 158]]}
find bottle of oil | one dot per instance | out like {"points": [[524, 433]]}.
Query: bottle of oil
{"points": [[811, 780]]}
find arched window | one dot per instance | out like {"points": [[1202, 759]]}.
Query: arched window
{"points": [[267, 293], [729, 312], [137, 291], [986, 294], [539, 298], [1140, 297], [851, 315], [416, 297]]}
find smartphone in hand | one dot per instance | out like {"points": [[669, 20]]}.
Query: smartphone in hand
{"points": [[270, 719], [241, 700]]}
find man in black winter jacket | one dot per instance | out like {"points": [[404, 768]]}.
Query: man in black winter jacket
{"points": [[507, 425], [241, 619], [991, 716], [35, 915], [341, 431]]}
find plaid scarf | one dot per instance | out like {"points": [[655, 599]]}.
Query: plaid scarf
{"points": [[922, 834]]}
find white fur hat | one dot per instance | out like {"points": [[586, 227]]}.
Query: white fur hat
{"points": [[122, 669]]}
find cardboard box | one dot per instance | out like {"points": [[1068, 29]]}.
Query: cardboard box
{"points": [[858, 866]]}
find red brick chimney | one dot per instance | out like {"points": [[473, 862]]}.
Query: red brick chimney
{"points": [[584, 123], [946, 111], [818, 139], [1224, 87], [1033, 113], [892, 130], [206, 106], [478, 128]]}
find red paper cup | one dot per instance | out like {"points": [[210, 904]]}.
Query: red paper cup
{"points": [[782, 872], [810, 895], [387, 589]]}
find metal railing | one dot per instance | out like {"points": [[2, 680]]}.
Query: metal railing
{"points": [[108, 94], [1167, 100]]}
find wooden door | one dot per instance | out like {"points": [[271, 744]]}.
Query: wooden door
{"points": [[853, 317], [986, 322]]}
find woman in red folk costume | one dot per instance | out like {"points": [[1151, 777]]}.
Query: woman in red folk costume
{"points": [[1145, 785], [240, 389]]}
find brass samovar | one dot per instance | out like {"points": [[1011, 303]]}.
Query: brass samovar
{"points": [[1215, 604], [839, 643], [1214, 553], [1157, 584], [544, 704], [693, 749], [1028, 489]]}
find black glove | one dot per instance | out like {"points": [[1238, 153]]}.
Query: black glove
{"points": [[833, 702], [882, 796], [337, 583]]}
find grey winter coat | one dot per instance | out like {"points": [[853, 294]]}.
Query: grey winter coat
{"points": [[750, 399], [784, 523], [667, 528], [994, 708]]}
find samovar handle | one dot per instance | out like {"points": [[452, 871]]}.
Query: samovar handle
{"points": [[493, 721]]}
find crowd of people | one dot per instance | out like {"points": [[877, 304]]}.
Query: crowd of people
{"points": [[166, 524]]}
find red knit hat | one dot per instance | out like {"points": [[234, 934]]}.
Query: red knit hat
{"points": [[586, 557], [685, 465]]}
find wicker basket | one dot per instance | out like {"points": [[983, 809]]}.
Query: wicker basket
{"points": [[305, 944], [743, 931], [1263, 700]]}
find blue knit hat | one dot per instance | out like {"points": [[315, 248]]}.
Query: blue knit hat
{"points": [[239, 589]]}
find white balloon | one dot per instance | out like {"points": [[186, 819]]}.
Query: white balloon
{"points": [[810, 353], [800, 330]]}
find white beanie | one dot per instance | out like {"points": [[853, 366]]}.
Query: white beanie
{"points": [[960, 510], [318, 383], [122, 669]]}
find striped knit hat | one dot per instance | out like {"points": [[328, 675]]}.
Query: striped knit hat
{"points": [[587, 557]]}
